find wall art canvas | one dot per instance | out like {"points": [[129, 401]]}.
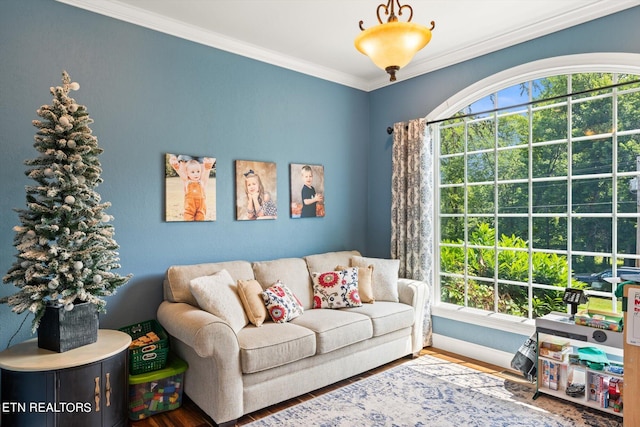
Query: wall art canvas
{"points": [[190, 188], [256, 190], [307, 190]]}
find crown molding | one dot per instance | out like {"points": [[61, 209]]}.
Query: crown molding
{"points": [[144, 18], [153, 21]]}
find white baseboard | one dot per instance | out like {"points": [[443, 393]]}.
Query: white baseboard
{"points": [[473, 351]]}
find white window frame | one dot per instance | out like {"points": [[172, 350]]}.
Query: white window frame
{"points": [[571, 64]]}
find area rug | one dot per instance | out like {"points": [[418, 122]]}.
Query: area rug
{"points": [[433, 392]]}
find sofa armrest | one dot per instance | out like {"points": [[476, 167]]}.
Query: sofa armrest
{"points": [[210, 347], [206, 333], [416, 294], [413, 292]]}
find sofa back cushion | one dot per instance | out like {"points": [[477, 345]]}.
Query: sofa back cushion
{"points": [[292, 272], [178, 278], [329, 261]]}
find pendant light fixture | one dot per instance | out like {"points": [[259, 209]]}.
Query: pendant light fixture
{"points": [[393, 44]]}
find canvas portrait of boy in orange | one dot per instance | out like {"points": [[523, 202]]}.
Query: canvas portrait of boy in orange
{"points": [[190, 188]]}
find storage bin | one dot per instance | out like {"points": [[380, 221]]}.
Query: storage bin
{"points": [[151, 356], [158, 391]]}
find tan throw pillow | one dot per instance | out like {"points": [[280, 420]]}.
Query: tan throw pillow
{"points": [[385, 276], [250, 293], [217, 294], [364, 283]]}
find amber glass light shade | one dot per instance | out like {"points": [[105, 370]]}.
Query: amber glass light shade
{"points": [[392, 45]]}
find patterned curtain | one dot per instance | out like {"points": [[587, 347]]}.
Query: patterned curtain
{"points": [[412, 206]]}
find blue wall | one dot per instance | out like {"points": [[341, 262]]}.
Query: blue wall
{"points": [[148, 94]]}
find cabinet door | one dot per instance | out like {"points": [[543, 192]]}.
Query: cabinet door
{"points": [[99, 390], [25, 396], [81, 389], [115, 376]]}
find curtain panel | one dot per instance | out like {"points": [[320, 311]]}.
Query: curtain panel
{"points": [[412, 206]]}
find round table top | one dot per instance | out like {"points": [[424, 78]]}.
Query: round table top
{"points": [[28, 357]]}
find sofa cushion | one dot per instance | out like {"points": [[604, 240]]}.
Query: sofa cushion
{"points": [[335, 328], [290, 271], [336, 289], [386, 316], [385, 276], [282, 305], [273, 345], [176, 282], [365, 289], [250, 292], [218, 295], [328, 261]]}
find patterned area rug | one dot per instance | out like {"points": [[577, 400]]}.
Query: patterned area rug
{"points": [[433, 392]]}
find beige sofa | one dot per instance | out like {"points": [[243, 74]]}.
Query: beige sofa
{"points": [[236, 367]]}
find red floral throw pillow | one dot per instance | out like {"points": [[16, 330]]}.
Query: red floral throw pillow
{"points": [[336, 289], [281, 303]]}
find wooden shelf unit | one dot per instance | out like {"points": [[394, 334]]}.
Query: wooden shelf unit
{"points": [[558, 327], [631, 370]]}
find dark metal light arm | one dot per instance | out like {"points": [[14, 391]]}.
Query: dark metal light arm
{"points": [[393, 44], [389, 10]]}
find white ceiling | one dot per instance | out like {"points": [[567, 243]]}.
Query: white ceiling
{"points": [[315, 37]]}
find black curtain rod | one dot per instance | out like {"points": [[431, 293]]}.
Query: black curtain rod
{"points": [[525, 104]]}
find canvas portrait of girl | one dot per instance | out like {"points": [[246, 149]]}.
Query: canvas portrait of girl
{"points": [[256, 190]]}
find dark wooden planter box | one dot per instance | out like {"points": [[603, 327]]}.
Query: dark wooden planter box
{"points": [[62, 330]]}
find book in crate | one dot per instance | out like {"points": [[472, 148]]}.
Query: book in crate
{"points": [[600, 320], [149, 346], [557, 350]]}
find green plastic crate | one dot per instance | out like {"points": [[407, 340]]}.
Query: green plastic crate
{"points": [[158, 391], [150, 357]]}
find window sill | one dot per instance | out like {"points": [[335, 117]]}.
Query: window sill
{"points": [[502, 322]]}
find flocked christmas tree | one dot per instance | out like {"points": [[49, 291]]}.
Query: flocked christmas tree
{"points": [[66, 249]]}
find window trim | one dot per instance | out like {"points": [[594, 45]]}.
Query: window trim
{"points": [[569, 64], [606, 62]]}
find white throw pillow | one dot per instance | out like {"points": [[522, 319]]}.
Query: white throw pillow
{"points": [[218, 295], [385, 276]]}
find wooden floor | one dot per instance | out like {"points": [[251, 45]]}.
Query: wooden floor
{"points": [[189, 415]]}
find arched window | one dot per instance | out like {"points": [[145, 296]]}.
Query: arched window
{"points": [[537, 185]]}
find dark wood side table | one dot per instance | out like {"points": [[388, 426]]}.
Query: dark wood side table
{"points": [[86, 386]]}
